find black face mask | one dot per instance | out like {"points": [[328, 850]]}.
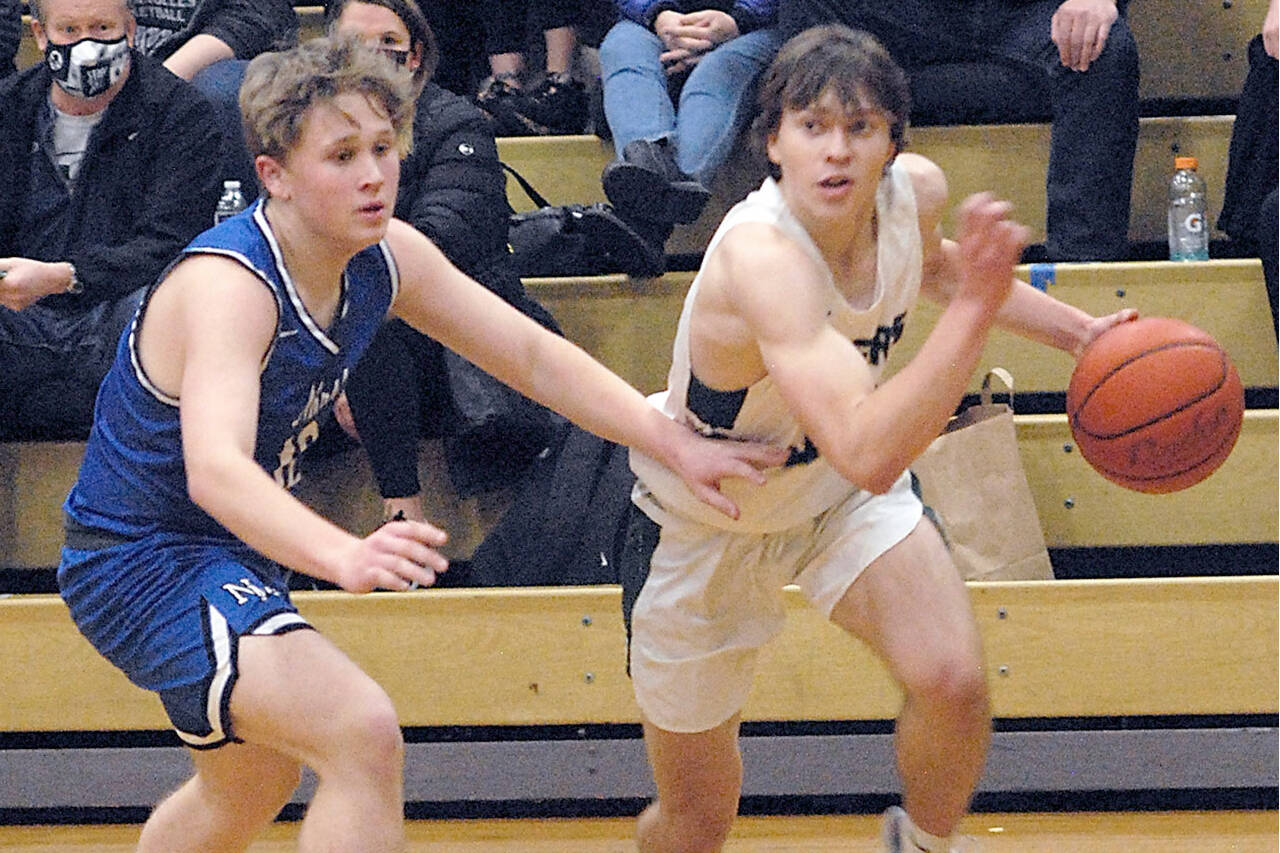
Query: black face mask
{"points": [[89, 67]]}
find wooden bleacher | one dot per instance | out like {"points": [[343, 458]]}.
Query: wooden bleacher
{"points": [[609, 315], [1125, 684]]}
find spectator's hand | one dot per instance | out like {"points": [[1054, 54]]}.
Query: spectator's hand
{"points": [[1270, 37], [718, 26], [24, 281], [1080, 29], [399, 555], [677, 33], [679, 61]]}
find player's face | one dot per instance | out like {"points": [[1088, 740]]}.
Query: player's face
{"points": [[342, 174], [831, 157], [379, 28]]}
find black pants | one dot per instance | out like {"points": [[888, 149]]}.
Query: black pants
{"points": [[1094, 113]]}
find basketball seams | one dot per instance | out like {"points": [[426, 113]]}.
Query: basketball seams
{"points": [[1223, 363], [1227, 443]]}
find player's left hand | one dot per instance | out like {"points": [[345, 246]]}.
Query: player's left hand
{"points": [[1101, 324], [703, 462], [1079, 28]]}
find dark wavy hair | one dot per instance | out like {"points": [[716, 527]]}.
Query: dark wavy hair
{"points": [[833, 58]]}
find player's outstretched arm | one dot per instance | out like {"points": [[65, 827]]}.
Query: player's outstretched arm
{"points": [[205, 334], [440, 301], [1026, 311]]}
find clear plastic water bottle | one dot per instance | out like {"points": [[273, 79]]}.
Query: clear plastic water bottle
{"points": [[231, 203], [1188, 225]]}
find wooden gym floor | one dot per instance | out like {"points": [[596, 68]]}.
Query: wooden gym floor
{"points": [[1078, 832]]}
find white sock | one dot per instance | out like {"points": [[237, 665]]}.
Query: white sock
{"points": [[926, 842]]}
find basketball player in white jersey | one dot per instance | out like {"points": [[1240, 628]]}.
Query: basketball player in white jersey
{"points": [[804, 290]]}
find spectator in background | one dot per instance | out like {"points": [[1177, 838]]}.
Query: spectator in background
{"points": [[453, 190], [105, 180], [679, 83], [557, 104], [10, 35], [209, 43], [1078, 55], [1249, 205]]}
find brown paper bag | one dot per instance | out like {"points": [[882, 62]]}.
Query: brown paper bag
{"points": [[972, 477]]}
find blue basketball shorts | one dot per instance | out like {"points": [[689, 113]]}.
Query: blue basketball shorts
{"points": [[169, 610]]}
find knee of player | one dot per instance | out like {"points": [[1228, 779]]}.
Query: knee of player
{"points": [[949, 679], [369, 733]]}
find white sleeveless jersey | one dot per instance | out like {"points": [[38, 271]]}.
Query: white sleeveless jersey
{"points": [[806, 485]]}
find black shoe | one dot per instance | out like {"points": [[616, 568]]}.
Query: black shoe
{"points": [[498, 97], [558, 106], [645, 182]]}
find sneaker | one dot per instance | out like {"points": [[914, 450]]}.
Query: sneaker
{"points": [[894, 829], [498, 95], [557, 105], [646, 182]]}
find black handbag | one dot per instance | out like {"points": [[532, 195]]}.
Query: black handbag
{"points": [[576, 239]]}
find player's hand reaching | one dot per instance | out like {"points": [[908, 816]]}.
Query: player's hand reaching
{"points": [[397, 556], [990, 244], [703, 462], [1098, 325]]}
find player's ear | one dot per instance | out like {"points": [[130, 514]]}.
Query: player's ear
{"points": [[271, 175]]}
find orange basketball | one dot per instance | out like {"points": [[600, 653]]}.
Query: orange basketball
{"points": [[1155, 405]]}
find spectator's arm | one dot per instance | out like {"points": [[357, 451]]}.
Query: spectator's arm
{"points": [[10, 34], [644, 12], [250, 27], [179, 200], [459, 199], [198, 53], [754, 14]]}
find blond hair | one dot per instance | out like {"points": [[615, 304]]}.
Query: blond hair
{"points": [[279, 89]]}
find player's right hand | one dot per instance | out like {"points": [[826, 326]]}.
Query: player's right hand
{"points": [[990, 244], [397, 556]]}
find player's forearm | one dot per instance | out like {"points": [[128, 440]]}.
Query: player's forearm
{"points": [[566, 379], [1037, 316], [893, 424], [243, 498]]}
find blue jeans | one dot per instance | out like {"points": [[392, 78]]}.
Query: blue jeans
{"points": [[1095, 113], [715, 101], [51, 363], [220, 84]]}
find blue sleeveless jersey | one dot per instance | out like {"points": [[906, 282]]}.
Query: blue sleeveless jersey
{"points": [[132, 482]]}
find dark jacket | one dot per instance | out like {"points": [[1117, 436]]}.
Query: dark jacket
{"points": [[747, 14], [249, 27], [453, 190], [144, 190], [451, 185], [10, 35]]}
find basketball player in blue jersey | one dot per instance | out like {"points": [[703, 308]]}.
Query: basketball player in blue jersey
{"points": [[803, 292], [181, 524]]}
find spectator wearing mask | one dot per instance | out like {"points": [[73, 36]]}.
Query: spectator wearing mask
{"points": [[106, 180]]}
